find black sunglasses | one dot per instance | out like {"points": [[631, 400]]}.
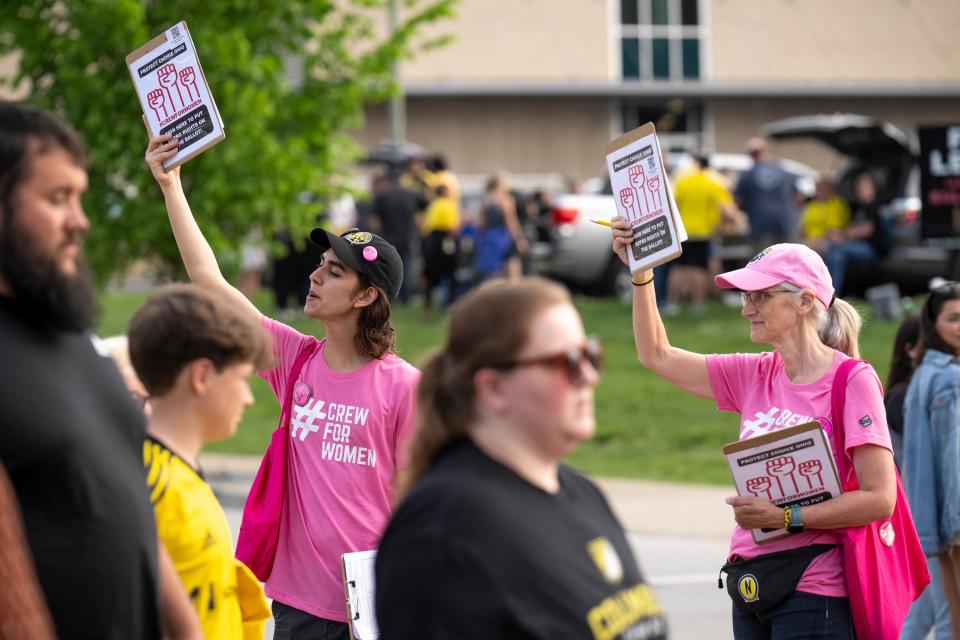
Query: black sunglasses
{"points": [[571, 362]]}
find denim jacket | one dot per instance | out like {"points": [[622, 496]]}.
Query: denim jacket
{"points": [[931, 449]]}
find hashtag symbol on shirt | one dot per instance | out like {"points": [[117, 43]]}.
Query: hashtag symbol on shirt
{"points": [[305, 417], [764, 422]]}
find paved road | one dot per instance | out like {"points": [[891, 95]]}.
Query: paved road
{"points": [[679, 532]]}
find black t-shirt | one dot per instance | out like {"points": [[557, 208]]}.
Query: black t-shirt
{"points": [[475, 551], [397, 207], [71, 438], [879, 239]]}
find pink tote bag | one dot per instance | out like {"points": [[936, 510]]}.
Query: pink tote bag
{"points": [[260, 526], [884, 564]]}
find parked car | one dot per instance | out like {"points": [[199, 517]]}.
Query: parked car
{"points": [[890, 155], [580, 252]]}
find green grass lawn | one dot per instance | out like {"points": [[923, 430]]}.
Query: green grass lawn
{"points": [[645, 427]]}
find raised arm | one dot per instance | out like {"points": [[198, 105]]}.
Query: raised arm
{"points": [[195, 251], [684, 369]]}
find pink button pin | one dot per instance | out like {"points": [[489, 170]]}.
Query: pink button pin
{"points": [[369, 254]]}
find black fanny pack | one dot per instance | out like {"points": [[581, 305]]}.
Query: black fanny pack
{"points": [[761, 584]]}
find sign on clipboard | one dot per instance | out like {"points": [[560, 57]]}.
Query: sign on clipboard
{"points": [[787, 467], [173, 93], [359, 587], [641, 190]]}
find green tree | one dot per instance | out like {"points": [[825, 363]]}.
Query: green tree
{"points": [[283, 138]]}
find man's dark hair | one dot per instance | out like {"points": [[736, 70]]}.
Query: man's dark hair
{"points": [[26, 132], [375, 334], [183, 323], [49, 297]]}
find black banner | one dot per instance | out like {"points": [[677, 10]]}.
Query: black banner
{"points": [[161, 59], [191, 127], [633, 158], [940, 181], [650, 237]]}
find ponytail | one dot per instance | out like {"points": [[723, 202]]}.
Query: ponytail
{"points": [[839, 327]]}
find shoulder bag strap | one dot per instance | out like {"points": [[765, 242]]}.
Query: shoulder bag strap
{"points": [[838, 396], [302, 356]]}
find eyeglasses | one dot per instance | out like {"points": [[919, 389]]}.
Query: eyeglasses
{"points": [[571, 362], [760, 298]]}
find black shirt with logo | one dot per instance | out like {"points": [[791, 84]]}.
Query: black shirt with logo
{"points": [[475, 551], [71, 439]]}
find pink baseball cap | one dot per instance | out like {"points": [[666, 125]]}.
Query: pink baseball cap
{"points": [[797, 264]]}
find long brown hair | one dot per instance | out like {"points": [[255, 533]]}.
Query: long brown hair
{"points": [[487, 326], [375, 334]]}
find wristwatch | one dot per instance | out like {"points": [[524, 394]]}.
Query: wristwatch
{"points": [[794, 519]]}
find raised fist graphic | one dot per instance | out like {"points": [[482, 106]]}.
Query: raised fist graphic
{"points": [[157, 102], [189, 80], [782, 470], [759, 485], [653, 184], [811, 470], [167, 76], [628, 197]]}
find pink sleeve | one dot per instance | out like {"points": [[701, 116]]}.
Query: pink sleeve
{"points": [[286, 344], [730, 375], [864, 416], [406, 420]]}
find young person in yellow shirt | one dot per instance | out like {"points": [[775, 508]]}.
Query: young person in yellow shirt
{"points": [[194, 354], [824, 218], [439, 243]]}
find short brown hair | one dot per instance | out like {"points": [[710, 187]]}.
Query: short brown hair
{"points": [[183, 323]]}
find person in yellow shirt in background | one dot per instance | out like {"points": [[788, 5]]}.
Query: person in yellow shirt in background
{"points": [[439, 244], [194, 355], [704, 202], [824, 218]]}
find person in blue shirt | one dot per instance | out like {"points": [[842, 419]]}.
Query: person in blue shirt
{"points": [[767, 193], [931, 445]]}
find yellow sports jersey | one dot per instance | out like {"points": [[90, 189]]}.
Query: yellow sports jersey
{"points": [[441, 216], [820, 217], [194, 529], [699, 197]]}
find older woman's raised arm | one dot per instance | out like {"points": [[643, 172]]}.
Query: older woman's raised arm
{"points": [[685, 369]]}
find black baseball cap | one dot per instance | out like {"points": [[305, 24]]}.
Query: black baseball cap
{"points": [[365, 253]]}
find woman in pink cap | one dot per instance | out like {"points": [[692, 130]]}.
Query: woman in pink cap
{"points": [[788, 298]]}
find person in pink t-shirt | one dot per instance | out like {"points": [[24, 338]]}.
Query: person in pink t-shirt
{"points": [[789, 300], [352, 409]]}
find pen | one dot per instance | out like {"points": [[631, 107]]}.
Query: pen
{"points": [[604, 223]]}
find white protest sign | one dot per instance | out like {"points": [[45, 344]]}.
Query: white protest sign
{"points": [[641, 191], [174, 94], [790, 466]]}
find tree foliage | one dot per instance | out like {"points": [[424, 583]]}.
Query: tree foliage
{"points": [[284, 138]]}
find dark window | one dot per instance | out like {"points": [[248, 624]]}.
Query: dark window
{"points": [[691, 58], [628, 12], [688, 12], [659, 12], [661, 58], [631, 58]]}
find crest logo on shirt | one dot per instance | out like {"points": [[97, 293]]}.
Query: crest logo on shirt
{"points": [[887, 534], [749, 588], [865, 421], [606, 559]]}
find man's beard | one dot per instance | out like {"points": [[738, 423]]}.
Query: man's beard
{"points": [[51, 298]]}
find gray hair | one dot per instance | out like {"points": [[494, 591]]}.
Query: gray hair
{"points": [[837, 326]]}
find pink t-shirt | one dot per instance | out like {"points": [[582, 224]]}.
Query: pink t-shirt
{"points": [[347, 432], [756, 386]]}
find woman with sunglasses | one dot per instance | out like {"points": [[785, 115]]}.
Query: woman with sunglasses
{"points": [[788, 298], [494, 537], [931, 438]]}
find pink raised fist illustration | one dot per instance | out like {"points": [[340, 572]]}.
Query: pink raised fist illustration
{"points": [[653, 184], [759, 485], [167, 76], [628, 197], [811, 469], [782, 469], [189, 80], [157, 102]]}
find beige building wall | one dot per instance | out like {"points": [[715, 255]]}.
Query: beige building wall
{"points": [[511, 40], [835, 41], [516, 135]]}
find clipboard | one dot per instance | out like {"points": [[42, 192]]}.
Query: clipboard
{"points": [[174, 94], [359, 588], [789, 466], [642, 193]]}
